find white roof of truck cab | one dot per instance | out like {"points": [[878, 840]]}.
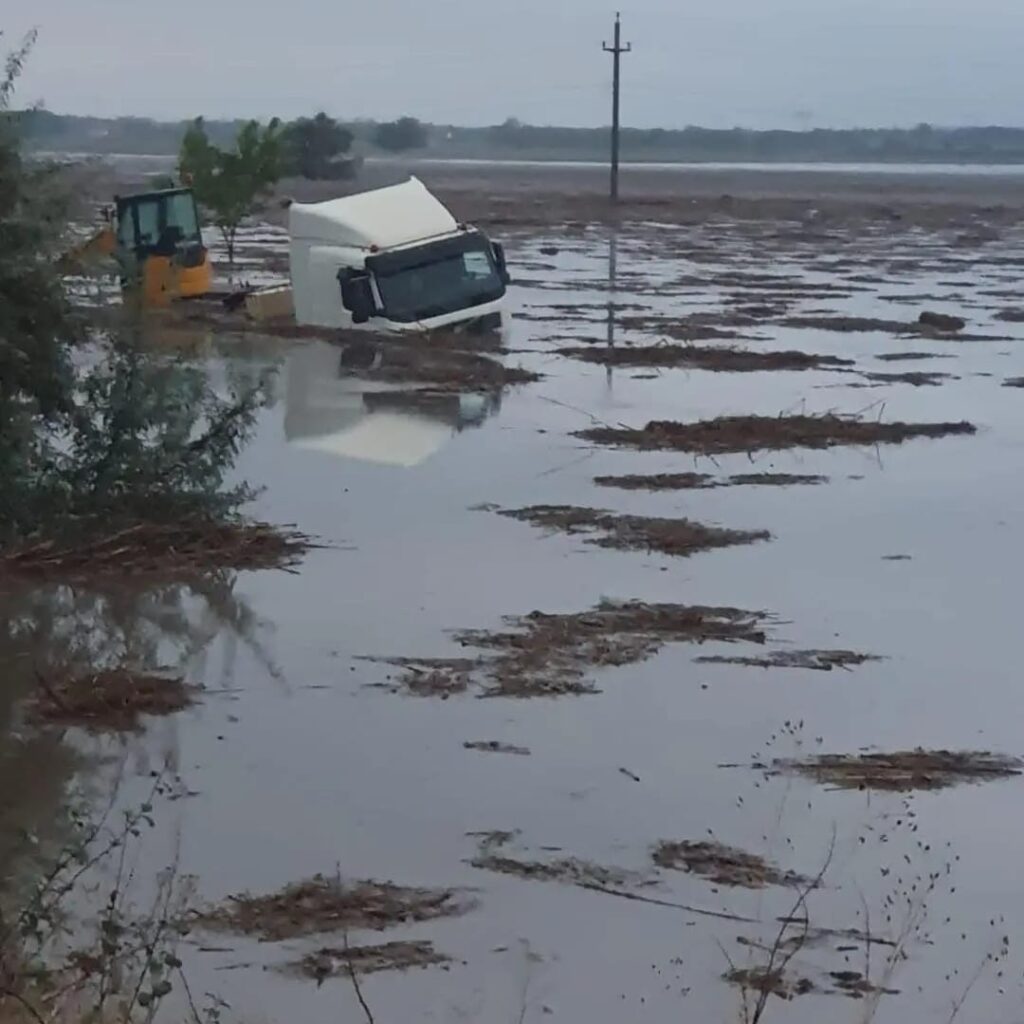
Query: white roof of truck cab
{"points": [[386, 217]]}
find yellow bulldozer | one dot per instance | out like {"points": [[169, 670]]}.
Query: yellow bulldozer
{"points": [[155, 238]]}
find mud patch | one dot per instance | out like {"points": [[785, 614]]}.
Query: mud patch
{"points": [[681, 537], [112, 700], [704, 481], [322, 905], [494, 747], [901, 771], [732, 434], [170, 550], [722, 865], [331, 962], [695, 357], [546, 655], [821, 661]]}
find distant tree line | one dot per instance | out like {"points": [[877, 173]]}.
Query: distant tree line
{"points": [[318, 146], [314, 146]]}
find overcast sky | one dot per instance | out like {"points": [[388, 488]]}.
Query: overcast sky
{"points": [[756, 63]]}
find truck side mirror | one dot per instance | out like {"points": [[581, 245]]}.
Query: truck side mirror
{"points": [[500, 262], [357, 295]]}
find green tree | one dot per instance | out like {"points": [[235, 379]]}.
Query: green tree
{"points": [[37, 329], [232, 184], [404, 134], [312, 146]]}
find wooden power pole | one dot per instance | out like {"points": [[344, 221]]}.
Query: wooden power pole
{"points": [[616, 50]]}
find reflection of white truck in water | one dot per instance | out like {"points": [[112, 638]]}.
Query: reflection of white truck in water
{"points": [[392, 259], [331, 409]]}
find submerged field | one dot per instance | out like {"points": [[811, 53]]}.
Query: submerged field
{"points": [[657, 663]]}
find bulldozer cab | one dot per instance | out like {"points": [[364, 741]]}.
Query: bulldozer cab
{"points": [[160, 246]]}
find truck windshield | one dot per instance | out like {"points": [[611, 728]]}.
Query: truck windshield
{"points": [[437, 278]]}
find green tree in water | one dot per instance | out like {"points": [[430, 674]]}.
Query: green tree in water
{"points": [[232, 184], [115, 433]]}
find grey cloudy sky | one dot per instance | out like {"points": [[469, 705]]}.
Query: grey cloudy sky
{"points": [[757, 63]]}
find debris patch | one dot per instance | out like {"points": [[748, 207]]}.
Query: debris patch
{"points": [[634, 533], [545, 655], [723, 865], [331, 962], [901, 771], [494, 747], [821, 661], [734, 434], [567, 870], [322, 905], [704, 481], [113, 699], [775, 982], [185, 548], [698, 357], [917, 379]]}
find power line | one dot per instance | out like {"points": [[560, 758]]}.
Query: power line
{"points": [[616, 50]]}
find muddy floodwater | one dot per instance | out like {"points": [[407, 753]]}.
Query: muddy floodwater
{"points": [[877, 586]]}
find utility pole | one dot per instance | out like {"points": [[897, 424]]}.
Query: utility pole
{"points": [[616, 50]]}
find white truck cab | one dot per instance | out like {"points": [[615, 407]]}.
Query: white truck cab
{"points": [[393, 259]]}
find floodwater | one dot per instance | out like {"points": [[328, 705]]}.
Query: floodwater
{"points": [[300, 762]]}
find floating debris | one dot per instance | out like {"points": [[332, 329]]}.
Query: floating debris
{"points": [[494, 747], [901, 771], [110, 700], [857, 986], [700, 357], [729, 434], [545, 655], [893, 357], [331, 962], [918, 379], [322, 905], [704, 481], [568, 870], [822, 661], [723, 865], [183, 548], [680, 537], [435, 677], [775, 982]]}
